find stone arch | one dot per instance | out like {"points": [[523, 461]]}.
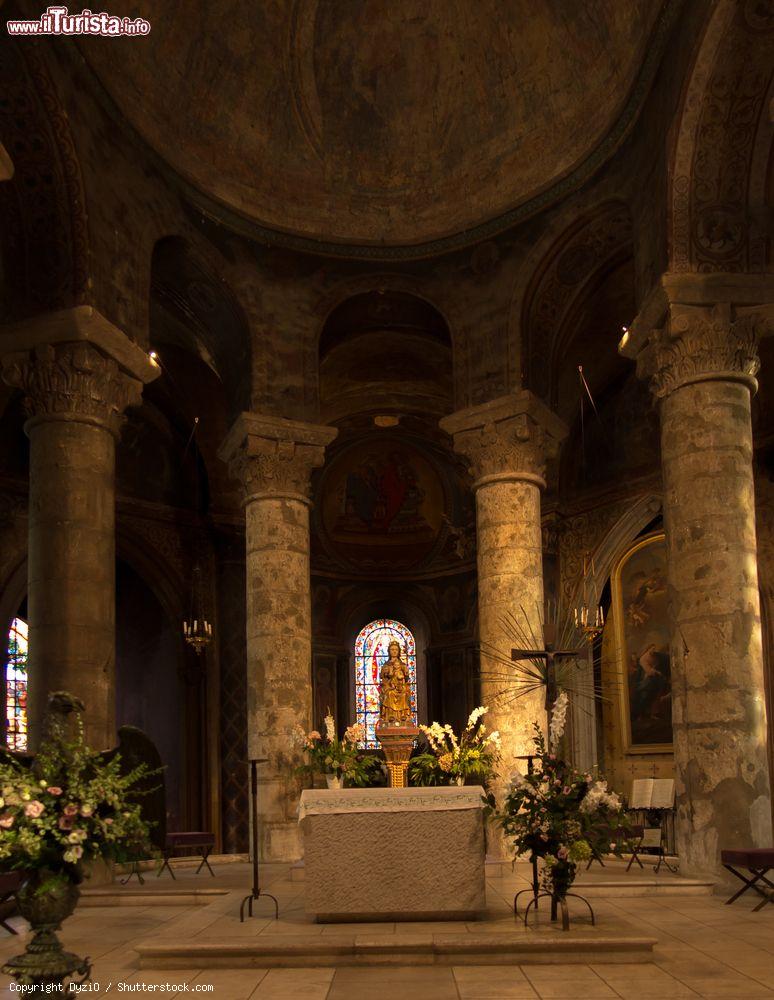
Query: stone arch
{"points": [[410, 610], [622, 533], [385, 281], [721, 152], [385, 350], [631, 523], [45, 241], [554, 282], [195, 308]]}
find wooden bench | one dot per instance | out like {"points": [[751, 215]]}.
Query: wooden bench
{"points": [[9, 883], [198, 840], [758, 861]]}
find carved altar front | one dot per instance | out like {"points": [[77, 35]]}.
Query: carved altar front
{"points": [[376, 854]]}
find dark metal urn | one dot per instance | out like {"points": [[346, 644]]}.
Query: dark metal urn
{"points": [[45, 900]]}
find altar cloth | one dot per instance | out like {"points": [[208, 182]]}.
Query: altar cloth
{"points": [[377, 854]]}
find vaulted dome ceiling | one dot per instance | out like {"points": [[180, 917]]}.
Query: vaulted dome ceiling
{"points": [[380, 122]]}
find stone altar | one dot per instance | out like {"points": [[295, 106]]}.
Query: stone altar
{"points": [[393, 853]]}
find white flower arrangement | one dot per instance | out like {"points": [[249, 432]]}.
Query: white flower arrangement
{"points": [[473, 754], [558, 721]]}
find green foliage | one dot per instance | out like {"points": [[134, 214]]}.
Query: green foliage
{"points": [[70, 807]]}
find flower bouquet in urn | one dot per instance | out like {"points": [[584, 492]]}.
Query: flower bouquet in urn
{"points": [[450, 759], [340, 760], [558, 814], [72, 805]]}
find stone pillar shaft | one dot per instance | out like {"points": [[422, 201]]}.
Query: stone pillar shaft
{"points": [[78, 374], [71, 570], [702, 366], [506, 442], [273, 459]]}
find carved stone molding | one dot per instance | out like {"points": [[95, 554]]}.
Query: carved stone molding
{"points": [[72, 381], [506, 439], [699, 344], [272, 457]]}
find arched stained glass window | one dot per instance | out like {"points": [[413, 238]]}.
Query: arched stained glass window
{"points": [[371, 651], [16, 686]]}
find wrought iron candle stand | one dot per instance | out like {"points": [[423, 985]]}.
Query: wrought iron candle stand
{"points": [[559, 901], [535, 887], [256, 891]]}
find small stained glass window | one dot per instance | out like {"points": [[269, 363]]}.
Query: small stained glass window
{"points": [[371, 652], [16, 686]]}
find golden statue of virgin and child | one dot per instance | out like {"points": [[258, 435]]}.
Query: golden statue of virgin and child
{"points": [[395, 729], [394, 689]]}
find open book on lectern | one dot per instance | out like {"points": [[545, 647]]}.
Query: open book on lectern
{"points": [[652, 793]]}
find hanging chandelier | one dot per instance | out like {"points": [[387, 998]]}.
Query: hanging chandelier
{"points": [[589, 621], [197, 631]]}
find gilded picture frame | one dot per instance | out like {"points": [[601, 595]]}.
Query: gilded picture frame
{"points": [[639, 594]]}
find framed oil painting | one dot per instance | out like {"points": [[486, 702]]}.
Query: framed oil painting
{"points": [[639, 592]]}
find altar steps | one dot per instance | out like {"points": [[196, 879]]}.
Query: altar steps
{"points": [[142, 896], [299, 950]]}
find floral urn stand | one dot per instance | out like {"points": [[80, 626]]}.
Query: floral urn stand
{"points": [[45, 900], [397, 742]]}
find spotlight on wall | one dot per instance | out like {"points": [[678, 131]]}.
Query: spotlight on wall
{"points": [[154, 359], [386, 421], [624, 339]]}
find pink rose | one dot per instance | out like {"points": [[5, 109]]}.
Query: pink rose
{"points": [[54, 790], [70, 809], [66, 822], [6, 821], [34, 809]]}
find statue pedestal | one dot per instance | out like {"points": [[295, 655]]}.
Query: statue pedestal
{"points": [[397, 742]]}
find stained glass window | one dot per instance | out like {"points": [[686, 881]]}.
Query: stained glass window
{"points": [[16, 686], [371, 652]]}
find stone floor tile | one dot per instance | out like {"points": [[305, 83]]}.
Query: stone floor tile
{"points": [[568, 982], [294, 984], [393, 983], [230, 984], [493, 982]]}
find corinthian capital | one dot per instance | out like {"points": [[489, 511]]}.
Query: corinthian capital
{"points": [[509, 438], [273, 457], [74, 380], [75, 365], [699, 344]]}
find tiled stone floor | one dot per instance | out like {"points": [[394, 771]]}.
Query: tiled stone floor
{"points": [[705, 949]]}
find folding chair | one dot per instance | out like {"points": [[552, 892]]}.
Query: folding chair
{"points": [[758, 861]]}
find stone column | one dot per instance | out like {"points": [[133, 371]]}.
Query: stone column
{"points": [[78, 374], [273, 459], [701, 364], [506, 442]]}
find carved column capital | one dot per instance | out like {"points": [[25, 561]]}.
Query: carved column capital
{"points": [[72, 382], [74, 365], [699, 344], [274, 457], [507, 439]]}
